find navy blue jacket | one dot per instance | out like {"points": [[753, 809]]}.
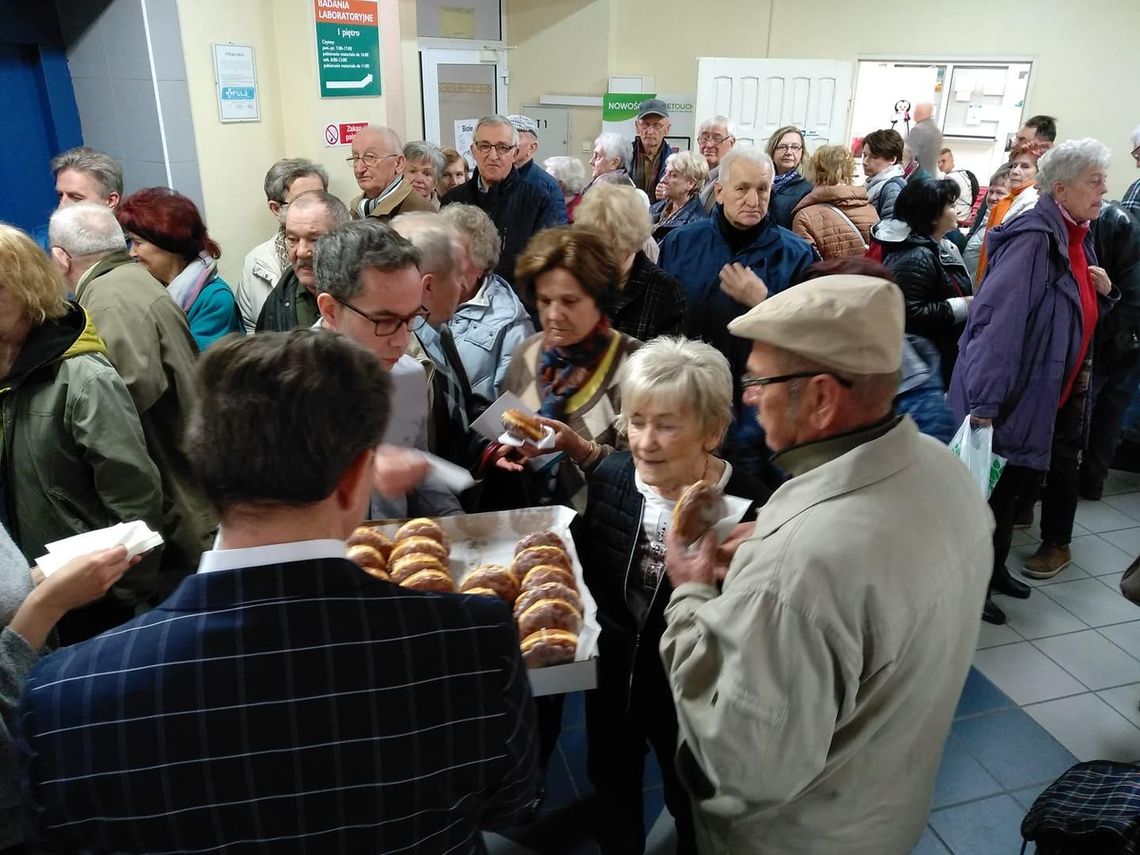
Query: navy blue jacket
{"points": [[690, 211], [782, 204], [543, 180]]}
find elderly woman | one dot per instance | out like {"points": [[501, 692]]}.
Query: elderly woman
{"points": [[1025, 355], [786, 147], [996, 190], [456, 171], [649, 301], [170, 240], [571, 177], [685, 175], [676, 405], [882, 167], [834, 217], [423, 168], [73, 453], [929, 271], [1022, 196], [490, 321], [610, 161]]}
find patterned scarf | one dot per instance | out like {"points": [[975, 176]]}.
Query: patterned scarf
{"points": [[781, 181], [565, 370]]}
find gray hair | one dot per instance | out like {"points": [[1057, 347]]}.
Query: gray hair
{"points": [[497, 121], [106, 171], [1001, 173], [749, 153], [689, 165], [436, 239], [729, 125], [87, 228], [344, 252], [691, 375], [568, 172], [483, 236], [421, 150], [333, 206], [614, 145], [283, 173], [1136, 137], [618, 211], [1064, 162]]}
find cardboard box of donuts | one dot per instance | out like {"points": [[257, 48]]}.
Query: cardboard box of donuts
{"points": [[525, 557]]}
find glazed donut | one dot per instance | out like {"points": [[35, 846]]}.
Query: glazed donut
{"points": [[547, 591], [522, 425], [540, 538], [548, 573], [422, 527], [367, 535], [698, 509], [367, 558], [430, 580], [549, 614], [535, 555], [417, 544], [405, 566], [494, 576], [549, 647], [378, 573], [481, 592]]}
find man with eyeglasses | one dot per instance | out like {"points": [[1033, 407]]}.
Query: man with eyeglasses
{"points": [[378, 165], [715, 137], [650, 151], [518, 208], [524, 163], [371, 290], [815, 688], [1131, 200]]}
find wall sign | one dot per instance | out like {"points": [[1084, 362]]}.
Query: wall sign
{"points": [[342, 133], [348, 47], [235, 76]]}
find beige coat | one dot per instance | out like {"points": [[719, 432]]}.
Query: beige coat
{"points": [[816, 220], [400, 201], [815, 693]]}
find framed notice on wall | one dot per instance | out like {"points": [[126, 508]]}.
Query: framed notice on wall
{"points": [[235, 75]]}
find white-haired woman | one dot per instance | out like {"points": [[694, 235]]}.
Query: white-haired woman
{"points": [[685, 175], [676, 406], [423, 168], [1025, 357], [571, 177], [609, 163], [649, 301]]}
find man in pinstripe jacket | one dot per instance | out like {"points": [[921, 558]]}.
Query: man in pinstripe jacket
{"points": [[281, 699]]}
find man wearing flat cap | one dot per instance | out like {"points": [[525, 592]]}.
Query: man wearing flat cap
{"points": [[533, 174], [815, 690], [650, 151]]}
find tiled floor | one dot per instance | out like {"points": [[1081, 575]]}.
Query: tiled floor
{"points": [[1058, 684]]}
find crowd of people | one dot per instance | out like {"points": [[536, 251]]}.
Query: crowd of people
{"points": [[753, 317]]}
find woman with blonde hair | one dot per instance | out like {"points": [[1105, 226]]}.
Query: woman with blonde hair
{"points": [[685, 175], [835, 217], [456, 171], [787, 148]]}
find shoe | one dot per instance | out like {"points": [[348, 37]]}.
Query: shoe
{"points": [[1003, 583], [1048, 561], [992, 613], [1023, 517], [1092, 492]]}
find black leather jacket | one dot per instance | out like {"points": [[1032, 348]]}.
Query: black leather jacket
{"points": [[1116, 238]]}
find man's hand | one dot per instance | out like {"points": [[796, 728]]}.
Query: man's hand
{"points": [[396, 471], [660, 191], [743, 285], [691, 565], [1100, 280], [976, 422], [727, 550]]}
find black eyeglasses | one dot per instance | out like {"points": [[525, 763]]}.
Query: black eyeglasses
{"points": [[748, 380], [385, 327], [370, 159], [502, 148]]}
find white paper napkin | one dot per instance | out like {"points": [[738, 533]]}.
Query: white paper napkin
{"points": [[136, 536]]}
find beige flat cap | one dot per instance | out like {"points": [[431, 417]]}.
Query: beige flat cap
{"points": [[850, 323]]}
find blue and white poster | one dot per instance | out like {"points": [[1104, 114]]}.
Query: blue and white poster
{"points": [[236, 76]]}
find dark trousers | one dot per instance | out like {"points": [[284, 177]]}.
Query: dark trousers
{"points": [[1114, 394], [1014, 482], [618, 739], [1062, 482]]}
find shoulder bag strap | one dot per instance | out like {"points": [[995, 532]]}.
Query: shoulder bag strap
{"points": [[854, 227]]}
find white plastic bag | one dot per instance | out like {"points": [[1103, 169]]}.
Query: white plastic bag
{"points": [[974, 447]]}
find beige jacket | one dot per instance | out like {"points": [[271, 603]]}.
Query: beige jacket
{"points": [[815, 693], [400, 201], [817, 220]]}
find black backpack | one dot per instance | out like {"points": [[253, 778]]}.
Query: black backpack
{"points": [[974, 186]]}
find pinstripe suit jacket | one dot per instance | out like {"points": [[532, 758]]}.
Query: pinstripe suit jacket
{"points": [[300, 707]]}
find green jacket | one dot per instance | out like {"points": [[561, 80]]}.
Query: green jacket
{"points": [[150, 345], [72, 453]]}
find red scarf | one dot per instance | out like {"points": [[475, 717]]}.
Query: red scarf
{"points": [[1079, 264]]}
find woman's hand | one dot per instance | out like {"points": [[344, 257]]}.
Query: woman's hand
{"points": [[1100, 280], [565, 439], [743, 285]]}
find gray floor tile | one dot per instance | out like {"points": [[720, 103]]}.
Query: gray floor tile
{"points": [[1023, 537], [1124, 635], [1092, 659], [1025, 673], [987, 827], [1126, 503], [1097, 556], [1098, 516], [961, 778], [1111, 580], [929, 844], [993, 636], [1013, 748], [1039, 616], [1089, 728], [1091, 601], [1127, 540], [1125, 700], [1029, 795]]}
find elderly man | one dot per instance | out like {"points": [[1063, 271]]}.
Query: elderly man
{"points": [[815, 689], [323, 691], [925, 139], [285, 181], [516, 207], [728, 263], [1042, 129], [378, 165], [967, 185], [716, 137], [1131, 200], [149, 343], [293, 301], [650, 151], [524, 163]]}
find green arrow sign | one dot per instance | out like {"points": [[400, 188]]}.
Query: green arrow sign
{"points": [[348, 47]]}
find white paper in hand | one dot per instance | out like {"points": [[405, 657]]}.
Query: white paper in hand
{"points": [[136, 536]]}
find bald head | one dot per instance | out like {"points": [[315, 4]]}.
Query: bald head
{"points": [[923, 111], [378, 159]]}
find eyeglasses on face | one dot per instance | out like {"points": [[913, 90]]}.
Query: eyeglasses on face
{"points": [[748, 380], [388, 326], [369, 158], [715, 139], [501, 148], [789, 147]]}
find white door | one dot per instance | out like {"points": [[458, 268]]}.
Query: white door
{"points": [[761, 95], [460, 86]]}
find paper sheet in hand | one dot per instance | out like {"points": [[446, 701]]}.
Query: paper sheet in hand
{"points": [[136, 536], [455, 478], [490, 424]]}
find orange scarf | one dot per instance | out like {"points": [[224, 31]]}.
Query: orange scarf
{"points": [[997, 214]]}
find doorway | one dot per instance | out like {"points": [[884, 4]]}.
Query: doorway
{"points": [[461, 86]]}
